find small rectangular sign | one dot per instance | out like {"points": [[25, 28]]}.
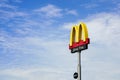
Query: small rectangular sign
{"points": [[79, 48]]}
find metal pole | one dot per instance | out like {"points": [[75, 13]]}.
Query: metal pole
{"points": [[79, 65]]}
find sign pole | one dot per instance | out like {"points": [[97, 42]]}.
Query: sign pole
{"points": [[79, 65]]}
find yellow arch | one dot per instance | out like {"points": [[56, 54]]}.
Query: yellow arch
{"points": [[73, 35], [78, 32], [84, 31]]}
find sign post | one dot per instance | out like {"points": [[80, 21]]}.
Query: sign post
{"points": [[78, 41], [79, 65]]}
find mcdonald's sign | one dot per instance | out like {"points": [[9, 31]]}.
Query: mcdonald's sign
{"points": [[79, 38]]}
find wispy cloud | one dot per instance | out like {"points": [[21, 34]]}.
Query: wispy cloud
{"points": [[8, 1], [4, 5], [3, 1], [117, 8], [73, 12], [9, 12], [17, 1], [37, 74], [90, 6], [49, 11]]}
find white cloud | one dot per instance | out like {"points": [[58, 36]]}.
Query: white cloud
{"points": [[117, 8], [7, 15], [36, 73], [49, 11], [17, 1], [4, 5], [8, 11], [72, 12], [8, 1], [90, 6], [3, 1]]}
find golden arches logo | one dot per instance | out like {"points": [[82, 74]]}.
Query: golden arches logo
{"points": [[79, 36]]}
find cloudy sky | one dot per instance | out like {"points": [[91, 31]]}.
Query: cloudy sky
{"points": [[34, 38]]}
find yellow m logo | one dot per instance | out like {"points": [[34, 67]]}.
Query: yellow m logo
{"points": [[78, 33]]}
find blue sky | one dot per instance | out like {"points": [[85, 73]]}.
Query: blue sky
{"points": [[34, 38]]}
